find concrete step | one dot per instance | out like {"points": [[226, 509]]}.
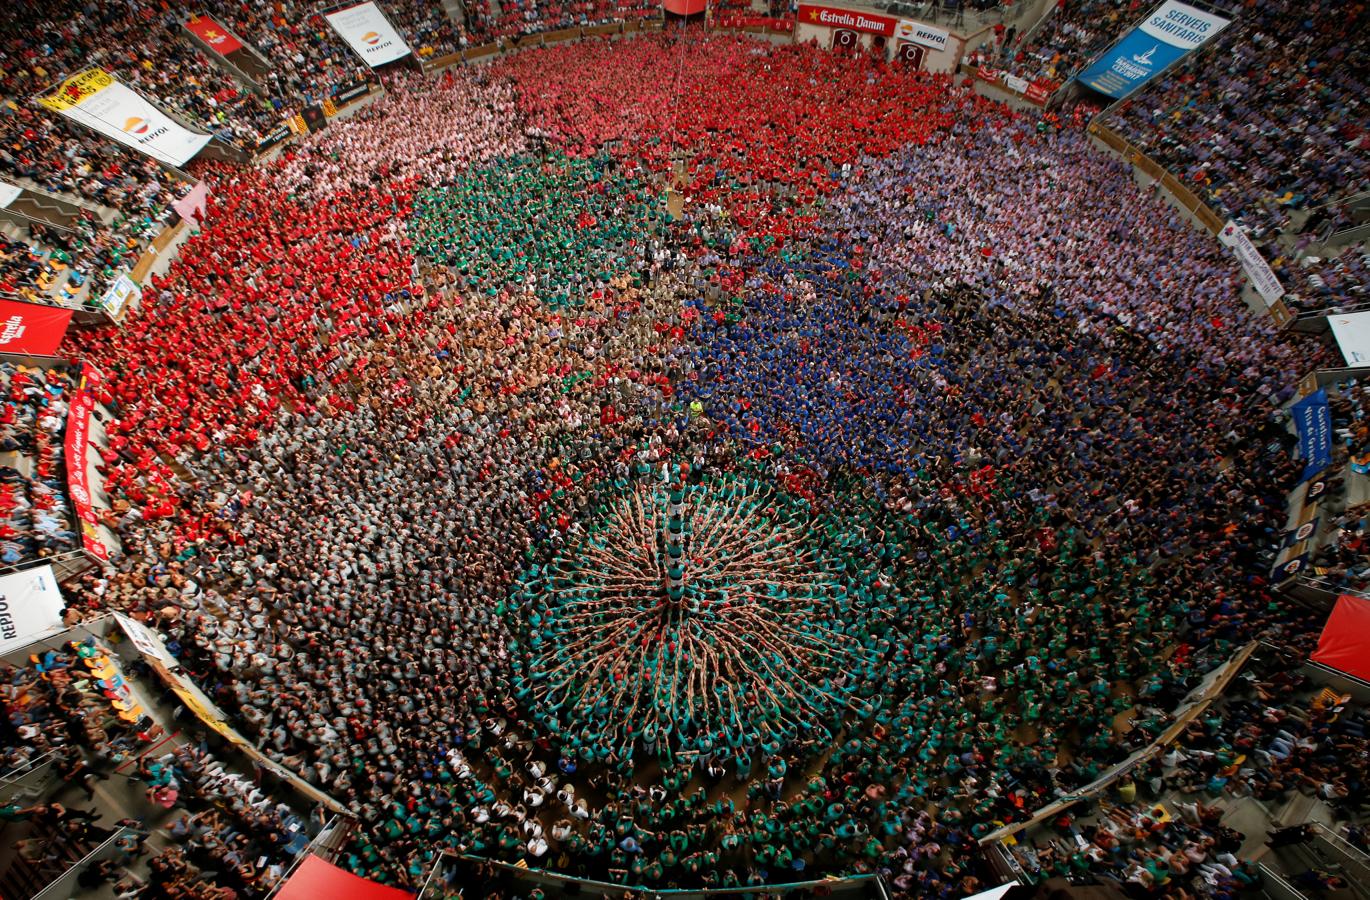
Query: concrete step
{"points": [[105, 213]]}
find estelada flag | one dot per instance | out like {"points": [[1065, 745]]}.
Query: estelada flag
{"points": [[213, 34], [31, 330]]}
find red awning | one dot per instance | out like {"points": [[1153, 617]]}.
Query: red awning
{"points": [[685, 7], [31, 330], [1345, 641], [315, 879]]}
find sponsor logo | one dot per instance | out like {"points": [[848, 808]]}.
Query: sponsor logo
{"points": [[1144, 59], [371, 38], [214, 37], [13, 330], [7, 629], [142, 130]]}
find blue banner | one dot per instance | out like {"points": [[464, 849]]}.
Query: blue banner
{"points": [[1155, 44], [1313, 421]]}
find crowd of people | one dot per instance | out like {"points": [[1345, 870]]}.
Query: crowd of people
{"points": [[71, 707], [1073, 33], [1268, 121], [35, 513], [1165, 829], [819, 526], [419, 367]]}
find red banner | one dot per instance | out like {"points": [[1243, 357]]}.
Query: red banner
{"points": [[76, 446], [739, 20], [1345, 641], [849, 19], [213, 34], [28, 329]]}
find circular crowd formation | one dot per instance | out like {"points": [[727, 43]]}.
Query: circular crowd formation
{"points": [[820, 528]]}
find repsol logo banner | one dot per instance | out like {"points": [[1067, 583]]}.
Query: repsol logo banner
{"points": [[8, 631], [102, 103], [922, 34], [30, 607], [369, 33]]}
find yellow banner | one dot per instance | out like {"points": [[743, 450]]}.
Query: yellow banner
{"points": [[77, 88]]}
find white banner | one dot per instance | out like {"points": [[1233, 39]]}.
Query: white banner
{"points": [[1257, 269], [1181, 25], [8, 193], [920, 33], [145, 639], [99, 101], [30, 607], [369, 33], [120, 293], [1352, 331]]}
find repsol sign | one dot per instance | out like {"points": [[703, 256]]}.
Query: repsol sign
{"points": [[8, 630]]}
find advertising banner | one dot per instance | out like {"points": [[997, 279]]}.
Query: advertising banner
{"points": [[315, 118], [370, 35], [76, 446], [848, 19], [31, 330], [1352, 331], [30, 607], [923, 34], [1173, 30], [96, 99], [351, 91], [274, 137], [145, 639], [1313, 421], [9, 193], [216, 37], [1255, 266], [120, 293]]}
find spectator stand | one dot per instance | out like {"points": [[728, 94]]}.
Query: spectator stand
{"points": [[75, 677], [245, 63], [1182, 197], [1227, 785], [451, 872], [1325, 547], [74, 247], [39, 451], [347, 99], [145, 762], [488, 51], [1195, 703]]}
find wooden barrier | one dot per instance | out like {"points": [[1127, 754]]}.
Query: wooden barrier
{"points": [[154, 250], [607, 28], [481, 52], [442, 62], [1215, 690], [564, 34], [1188, 199]]}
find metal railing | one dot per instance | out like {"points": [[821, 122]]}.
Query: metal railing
{"points": [[851, 885], [64, 886]]}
